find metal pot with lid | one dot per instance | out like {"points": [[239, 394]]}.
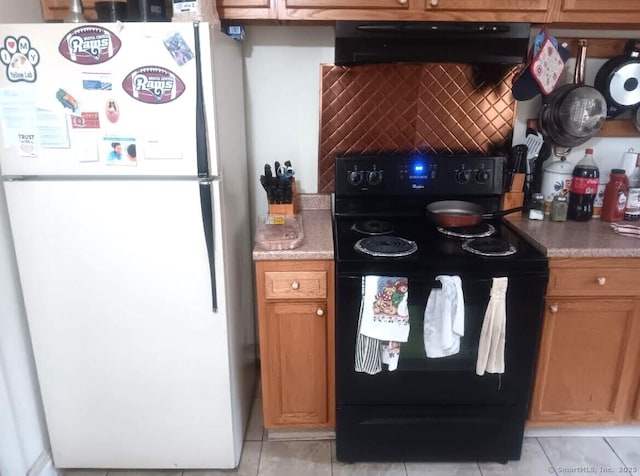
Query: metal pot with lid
{"points": [[573, 113]]}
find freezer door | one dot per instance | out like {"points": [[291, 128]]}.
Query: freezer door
{"points": [[132, 362], [129, 112]]}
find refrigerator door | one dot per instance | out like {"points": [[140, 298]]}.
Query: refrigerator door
{"points": [[108, 99], [133, 364]]}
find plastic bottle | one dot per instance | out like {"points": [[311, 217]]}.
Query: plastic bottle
{"points": [[633, 203], [615, 196], [584, 187]]}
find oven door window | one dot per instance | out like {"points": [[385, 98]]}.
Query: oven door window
{"points": [[452, 379]]}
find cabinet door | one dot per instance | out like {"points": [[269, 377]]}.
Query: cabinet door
{"points": [[247, 9], [57, 9], [295, 390], [349, 9], [497, 10], [609, 11], [586, 362]]}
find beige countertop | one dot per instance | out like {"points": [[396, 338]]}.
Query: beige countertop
{"points": [[571, 239], [315, 210]]}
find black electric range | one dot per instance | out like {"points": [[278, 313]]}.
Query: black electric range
{"points": [[431, 409]]}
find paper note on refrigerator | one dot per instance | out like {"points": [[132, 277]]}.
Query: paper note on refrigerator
{"points": [[17, 113]]}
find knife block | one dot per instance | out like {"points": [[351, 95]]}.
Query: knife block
{"points": [[286, 208], [514, 197]]}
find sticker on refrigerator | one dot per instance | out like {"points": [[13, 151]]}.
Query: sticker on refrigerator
{"points": [[116, 150], [153, 85], [20, 59], [67, 100], [178, 48], [86, 120], [112, 111], [97, 81], [90, 44], [27, 145]]}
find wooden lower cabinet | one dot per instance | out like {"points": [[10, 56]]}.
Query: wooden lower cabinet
{"points": [[588, 364], [296, 328]]}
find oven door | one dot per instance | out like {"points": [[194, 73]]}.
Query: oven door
{"points": [[448, 380]]}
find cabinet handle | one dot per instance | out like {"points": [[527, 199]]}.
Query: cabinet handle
{"points": [[320, 311], [433, 3], [553, 308], [602, 280], [295, 285]]}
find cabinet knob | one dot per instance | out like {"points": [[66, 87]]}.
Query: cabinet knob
{"points": [[553, 308], [403, 2], [433, 3], [602, 280], [320, 311], [295, 285]]}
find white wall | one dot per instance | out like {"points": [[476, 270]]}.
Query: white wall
{"points": [[23, 438], [282, 97]]}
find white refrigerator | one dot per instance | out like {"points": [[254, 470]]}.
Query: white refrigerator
{"points": [[122, 154]]}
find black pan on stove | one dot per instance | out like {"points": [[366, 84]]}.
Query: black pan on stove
{"points": [[456, 213]]}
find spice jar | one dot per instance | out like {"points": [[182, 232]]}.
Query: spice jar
{"points": [[536, 212], [559, 208]]}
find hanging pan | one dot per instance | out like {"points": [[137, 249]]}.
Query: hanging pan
{"points": [[573, 113], [619, 80]]}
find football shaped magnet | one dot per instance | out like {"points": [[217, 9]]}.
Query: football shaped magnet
{"points": [[90, 44], [153, 85]]}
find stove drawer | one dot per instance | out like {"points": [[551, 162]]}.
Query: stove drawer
{"points": [[593, 281], [295, 284]]}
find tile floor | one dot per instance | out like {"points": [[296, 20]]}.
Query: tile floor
{"points": [[540, 456]]}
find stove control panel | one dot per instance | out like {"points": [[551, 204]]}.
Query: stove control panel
{"points": [[416, 174]]}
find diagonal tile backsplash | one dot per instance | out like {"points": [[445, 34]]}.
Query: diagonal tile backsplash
{"points": [[441, 107]]}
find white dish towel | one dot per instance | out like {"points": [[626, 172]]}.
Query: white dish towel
{"points": [[493, 334], [444, 318], [384, 323]]}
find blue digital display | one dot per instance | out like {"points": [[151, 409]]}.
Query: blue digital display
{"points": [[419, 170]]}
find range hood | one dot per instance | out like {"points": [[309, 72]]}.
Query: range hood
{"points": [[361, 42]]}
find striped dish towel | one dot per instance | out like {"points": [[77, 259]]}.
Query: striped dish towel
{"points": [[626, 230]]}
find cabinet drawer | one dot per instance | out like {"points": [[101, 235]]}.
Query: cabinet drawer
{"points": [[295, 285], [593, 282]]}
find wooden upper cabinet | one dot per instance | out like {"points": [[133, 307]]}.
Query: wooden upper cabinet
{"points": [[425, 10], [53, 10], [599, 12], [247, 9], [348, 9], [531, 11]]}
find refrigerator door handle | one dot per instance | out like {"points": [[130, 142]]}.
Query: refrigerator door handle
{"points": [[207, 222], [202, 148]]}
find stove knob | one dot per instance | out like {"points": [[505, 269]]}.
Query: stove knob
{"points": [[354, 178], [374, 177], [463, 176], [482, 176]]}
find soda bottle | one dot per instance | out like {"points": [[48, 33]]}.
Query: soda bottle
{"points": [[584, 187]]}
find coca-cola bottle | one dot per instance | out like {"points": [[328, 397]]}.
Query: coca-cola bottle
{"points": [[584, 187]]}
